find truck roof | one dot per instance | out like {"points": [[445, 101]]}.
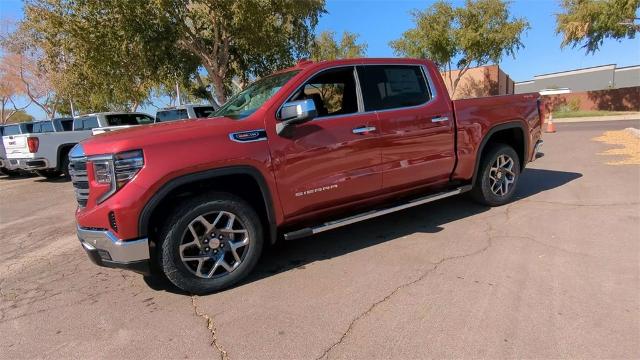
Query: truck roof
{"points": [[306, 63], [111, 113]]}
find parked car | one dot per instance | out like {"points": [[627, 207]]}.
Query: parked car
{"points": [[44, 147], [100, 123], [11, 167], [184, 112], [303, 151]]}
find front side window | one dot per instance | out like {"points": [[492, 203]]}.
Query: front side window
{"points": [[332, 91], [171, 115], [128, 119], [204, 111], [392, 86], [251, 99]]}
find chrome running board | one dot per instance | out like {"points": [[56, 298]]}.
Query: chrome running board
{"points": [[372, 214]]}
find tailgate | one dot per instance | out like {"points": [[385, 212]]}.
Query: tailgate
{"points": [[16, 146]]}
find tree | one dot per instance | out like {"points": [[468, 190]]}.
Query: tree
{"points": [[244, 39], [587, 23], [325, 46], [479, 33], [11, 88], [18, 117]]}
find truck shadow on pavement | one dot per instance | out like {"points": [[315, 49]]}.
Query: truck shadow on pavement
{"points": [[427, 218]]}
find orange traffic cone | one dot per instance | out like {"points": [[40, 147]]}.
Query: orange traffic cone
{"points": [[551, 128]]}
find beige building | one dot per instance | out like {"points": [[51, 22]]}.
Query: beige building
{"points": [[481, 81]]}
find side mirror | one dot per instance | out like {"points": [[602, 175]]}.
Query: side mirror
{"points": [[296, 112]]}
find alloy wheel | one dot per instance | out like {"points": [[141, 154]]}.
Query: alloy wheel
{"points": [[501, 175], [214, 244]]}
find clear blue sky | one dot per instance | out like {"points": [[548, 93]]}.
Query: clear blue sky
{"points": [[380, 21]]}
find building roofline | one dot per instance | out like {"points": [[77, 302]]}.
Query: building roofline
{"points": [[630, 67], [574, 71]]}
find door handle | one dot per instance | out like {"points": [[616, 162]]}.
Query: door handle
{"points": [[362, 130], [437, 119]]}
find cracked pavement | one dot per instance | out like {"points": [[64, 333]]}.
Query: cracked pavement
{"points": [[554, 274]]}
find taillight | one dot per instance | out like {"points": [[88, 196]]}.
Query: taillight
{"points": [[33, 143]]}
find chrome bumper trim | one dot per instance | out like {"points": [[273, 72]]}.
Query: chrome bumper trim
{"points": [[111, 248]]}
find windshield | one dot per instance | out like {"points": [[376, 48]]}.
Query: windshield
{"points": [[251, 98]]}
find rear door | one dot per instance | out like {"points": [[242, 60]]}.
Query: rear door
{"points": [[416, 125], [333, 159]]}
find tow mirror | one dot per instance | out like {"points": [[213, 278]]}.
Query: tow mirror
{"points": [[296, 112]]}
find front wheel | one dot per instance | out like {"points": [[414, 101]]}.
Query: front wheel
{"points": [[210, 243], [497, 176]]}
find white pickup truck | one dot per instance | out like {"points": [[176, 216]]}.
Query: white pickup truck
{"points": [[100, 123], [6, 167], [183, 112], [45, 147]]}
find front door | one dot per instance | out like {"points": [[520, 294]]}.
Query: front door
{"points": [[333, 159], [416, 125]]}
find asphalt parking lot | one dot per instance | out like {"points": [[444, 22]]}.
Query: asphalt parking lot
{"points": [[555, 274]]}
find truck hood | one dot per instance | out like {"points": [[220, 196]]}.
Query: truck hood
{"points": [[138, 137]]}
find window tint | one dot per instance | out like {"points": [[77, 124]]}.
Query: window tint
{"points": [[392, 86], [171, 115], [128, 119], [203, 111], [1, 130], [11, 130], [42, 127], [333, 92], [67, 124], [85, 123]]}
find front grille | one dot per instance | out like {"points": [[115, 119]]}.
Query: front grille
{"points": [[78, 172]]}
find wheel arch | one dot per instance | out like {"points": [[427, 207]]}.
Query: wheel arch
{"points": [[511, 133], [63, 150], [239, 175]]}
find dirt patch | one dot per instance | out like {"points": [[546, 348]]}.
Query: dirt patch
{"points": [[629, 146]]}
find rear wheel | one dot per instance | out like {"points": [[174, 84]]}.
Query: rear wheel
{"points": [[64, 167], [497, 176], [210, 243]]}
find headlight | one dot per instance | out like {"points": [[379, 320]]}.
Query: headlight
{"points": [[115, 171]]}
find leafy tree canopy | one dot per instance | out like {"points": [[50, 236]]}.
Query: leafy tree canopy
{"points": [[325, 46], [480, 32], [587, 23]]}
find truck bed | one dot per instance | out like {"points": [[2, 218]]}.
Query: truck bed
{"points": [[474, 118]]}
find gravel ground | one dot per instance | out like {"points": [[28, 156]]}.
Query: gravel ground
{"points": [[553, 275]]}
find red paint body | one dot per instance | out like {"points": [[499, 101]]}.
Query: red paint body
{"points": [[407, 152]]}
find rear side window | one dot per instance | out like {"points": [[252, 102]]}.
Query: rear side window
{"points": [[42, 127], [172, 115], [67, 124], [392, 86], [203, 111], [85, 123], [128, 119], [12, 130]]}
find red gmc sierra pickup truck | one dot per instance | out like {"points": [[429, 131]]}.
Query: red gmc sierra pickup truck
{"points": [[305, 150]]}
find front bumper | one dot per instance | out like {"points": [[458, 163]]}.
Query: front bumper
{"points": [[105, 249]]}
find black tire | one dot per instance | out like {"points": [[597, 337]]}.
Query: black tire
{"points": [[168, 254], [64, 167], [49, 174], [482, 191], [9, 173]]}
